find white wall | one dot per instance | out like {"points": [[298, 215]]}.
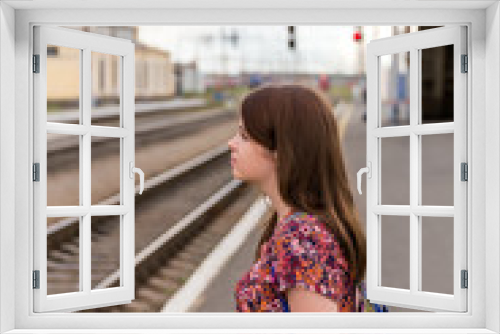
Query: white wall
{"points": [[485, 103], [492, 162], [7, 160]]}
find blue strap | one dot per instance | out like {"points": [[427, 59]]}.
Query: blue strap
{"points": [[284, 303]]}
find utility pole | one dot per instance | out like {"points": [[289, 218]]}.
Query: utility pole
{"points": [[375, 35], [394, 82], [242, 55], [223, 64], [361, 55], [407, 81], [358, 87], [375, 32], [224, 56]]}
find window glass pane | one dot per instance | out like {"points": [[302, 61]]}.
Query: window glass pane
{"points": [[63, 255], [63, 84], [395, 250], [437, 169], [105, 248], [395, 170], [106, 89], [394, 89], [437, 254], [105, 168], [63, 170], [437, 84]]}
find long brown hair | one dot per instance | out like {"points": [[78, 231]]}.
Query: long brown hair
{"points": [[298, 122]]}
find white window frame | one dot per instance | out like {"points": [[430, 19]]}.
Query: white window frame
{"points": [[123, 50], [483, 146], [414, 43]]}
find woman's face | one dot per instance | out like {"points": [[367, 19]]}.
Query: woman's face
{"points": [[249, 160]]}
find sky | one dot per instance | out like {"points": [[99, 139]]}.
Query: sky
{"points": [[320, 49]]}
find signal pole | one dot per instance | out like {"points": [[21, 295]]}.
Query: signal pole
{"points": [[358, 88], [292, 46], [361, 54]]}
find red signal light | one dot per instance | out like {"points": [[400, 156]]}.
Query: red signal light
{"points": [[357, 36]]}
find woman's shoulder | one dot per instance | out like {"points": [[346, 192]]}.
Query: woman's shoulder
{"points": [[303, 253], [307, 235], [304, 225]]}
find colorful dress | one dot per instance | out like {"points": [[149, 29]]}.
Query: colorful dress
{"points": [[300, 253]]}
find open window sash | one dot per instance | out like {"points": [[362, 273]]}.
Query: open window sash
{"points": [[414, 43], [86, 297]]}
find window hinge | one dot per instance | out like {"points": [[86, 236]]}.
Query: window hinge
{"points": [[465, 173], [36, 63], [36, 279], [464, 64], [465, 279], [36, 172]]}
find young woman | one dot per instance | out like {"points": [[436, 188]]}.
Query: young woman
{"points": [[312, 254]]}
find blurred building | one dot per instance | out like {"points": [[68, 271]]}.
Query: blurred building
{"points": [[154, 71], [189, 80]]}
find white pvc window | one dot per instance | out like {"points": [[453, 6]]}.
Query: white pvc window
{"points": [[415, 132], [480, 227], [81, 45]]}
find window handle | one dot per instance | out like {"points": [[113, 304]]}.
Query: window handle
{"points": [[133, 170], [367, 170]]}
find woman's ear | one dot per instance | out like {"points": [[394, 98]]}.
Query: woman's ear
{"points": [[275, 155]]}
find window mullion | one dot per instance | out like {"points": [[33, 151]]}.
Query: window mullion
{"points": [[415, 174], [85, 161], [415, 220]]}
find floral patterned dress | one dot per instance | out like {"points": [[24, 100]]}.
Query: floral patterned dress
{"points": [[300, 253]]}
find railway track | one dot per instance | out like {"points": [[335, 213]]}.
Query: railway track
{"points": [[158, 237], [63, 150], [165, 265]]}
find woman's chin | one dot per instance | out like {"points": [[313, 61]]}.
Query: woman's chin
{"points": [[236, 175]]}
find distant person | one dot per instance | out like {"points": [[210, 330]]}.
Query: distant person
{"points": [[255, 81], [312, 254]]}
